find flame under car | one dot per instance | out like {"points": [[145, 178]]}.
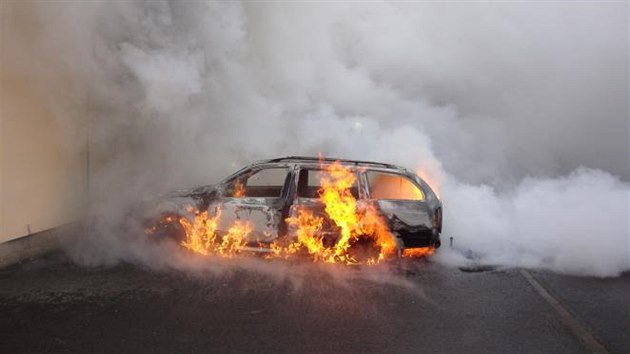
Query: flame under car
{"points": [[337, 211]]}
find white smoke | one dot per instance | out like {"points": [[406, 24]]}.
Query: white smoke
{"points": [[519, 110], [574, 224]]}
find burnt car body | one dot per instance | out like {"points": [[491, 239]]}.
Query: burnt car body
{"points": [[268, 192]]}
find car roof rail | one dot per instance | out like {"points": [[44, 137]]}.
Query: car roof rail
{"points": [[330, 159]]}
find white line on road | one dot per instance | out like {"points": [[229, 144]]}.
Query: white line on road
{"points": [[583, 334]]}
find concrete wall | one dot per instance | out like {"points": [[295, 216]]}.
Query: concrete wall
{"points": [[42, 174]]}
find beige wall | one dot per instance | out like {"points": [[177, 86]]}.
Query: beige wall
{"points": [[42, 175]]}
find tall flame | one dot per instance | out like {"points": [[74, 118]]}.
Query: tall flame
{"points": [[239, 189], [341, 206]]}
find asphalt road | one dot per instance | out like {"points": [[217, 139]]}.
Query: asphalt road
{"points": [[50, 305]]}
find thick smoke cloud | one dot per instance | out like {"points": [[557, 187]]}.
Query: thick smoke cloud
{"points": [[518, 110], [571, 224]]}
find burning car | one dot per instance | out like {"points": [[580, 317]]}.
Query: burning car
{"points": [[334, 210]]}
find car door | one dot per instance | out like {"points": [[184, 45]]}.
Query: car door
{"points": [[306, 197], [256, 197], [403, 203]]}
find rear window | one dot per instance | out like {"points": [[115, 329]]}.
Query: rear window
{"points": [[266, 183], [309, 183], [392, 186]]}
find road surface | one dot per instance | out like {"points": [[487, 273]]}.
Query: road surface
{"points": [[49, 305]]}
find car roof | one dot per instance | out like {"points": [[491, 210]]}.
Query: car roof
{"points": [[310, 160]]}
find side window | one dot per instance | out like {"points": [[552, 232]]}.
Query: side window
{"points": [[265, 183], [393, 186], [309, 184]]}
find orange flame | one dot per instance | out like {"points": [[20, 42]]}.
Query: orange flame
{"points": [[202, 237], [390, 187], [239, 189], [307, 232], [418, 252]]}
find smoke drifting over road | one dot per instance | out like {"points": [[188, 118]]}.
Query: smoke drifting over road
{"points": [[520, 111]]}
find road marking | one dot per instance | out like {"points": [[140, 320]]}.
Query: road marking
{"points": [[583, 334]]}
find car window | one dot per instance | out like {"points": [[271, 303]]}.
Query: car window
{"points": [[385, 185], [309, 183], [266, 183]]}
